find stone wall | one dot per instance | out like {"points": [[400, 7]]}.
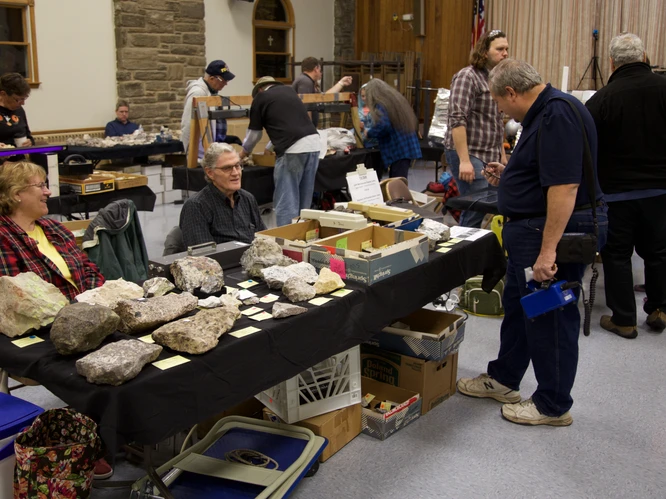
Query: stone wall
{"points": [[344, 31], [160, 45]]}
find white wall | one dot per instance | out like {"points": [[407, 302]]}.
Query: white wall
{"points": [[77, 65], [229, 36]]}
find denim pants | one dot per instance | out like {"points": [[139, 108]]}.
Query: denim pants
{"points": [[468, 218], [551, 340], [294, 178]]}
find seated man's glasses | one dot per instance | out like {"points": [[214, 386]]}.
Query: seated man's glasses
{"points": [[230, 168]]}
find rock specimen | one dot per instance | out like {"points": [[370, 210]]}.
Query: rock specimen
{"points": [[252, 300], [275, 276], [197, 334], [27, 302], [146, 313], [435, 231], [198, 272], [282, 310], [157, 286], [117, 362], [81, 327], [263, 253], [328, 282], [230, 300], [296, 289], [110, 293], [210, 302]]}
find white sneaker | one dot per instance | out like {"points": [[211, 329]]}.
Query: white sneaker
{"points": [[526, 413], [483, 386]]}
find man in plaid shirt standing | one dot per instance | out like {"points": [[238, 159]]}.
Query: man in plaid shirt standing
{"points": [[475, 129]]}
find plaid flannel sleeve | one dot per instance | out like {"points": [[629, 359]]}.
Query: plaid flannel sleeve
{"points": [[461, 99]]}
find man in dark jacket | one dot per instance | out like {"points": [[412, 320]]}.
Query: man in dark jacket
{"points": [[630, 115]]}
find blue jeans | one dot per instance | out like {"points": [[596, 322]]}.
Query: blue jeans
{"points": [[294, 178], [551, 340], [468, 218]]}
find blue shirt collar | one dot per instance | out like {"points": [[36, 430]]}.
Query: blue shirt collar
{"points": [[537, 107]]}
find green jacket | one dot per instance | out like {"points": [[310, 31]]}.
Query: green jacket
{"points": [[114, 241]]}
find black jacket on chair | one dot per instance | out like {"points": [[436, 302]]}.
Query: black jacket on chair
{"points": [[630, 115]]}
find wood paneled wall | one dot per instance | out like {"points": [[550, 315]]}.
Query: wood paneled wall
{"points": [[445, 46]]}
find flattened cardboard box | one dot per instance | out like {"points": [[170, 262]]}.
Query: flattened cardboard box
{"points": [[339, 427], [435, 381], [382, 426], [297, 239], [429, 335], [403, 251]]}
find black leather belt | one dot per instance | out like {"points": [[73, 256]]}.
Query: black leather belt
{"points": [[523, 216]]}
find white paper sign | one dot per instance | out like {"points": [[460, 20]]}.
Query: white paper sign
{"points": [[364, 187]]}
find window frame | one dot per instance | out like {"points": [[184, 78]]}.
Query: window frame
{"points": [[289, 25], [29, 37]]}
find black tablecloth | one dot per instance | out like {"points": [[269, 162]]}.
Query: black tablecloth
{"points": [[157, 404], [68, 204], [484, 201], [331, 174], [120, 151]]}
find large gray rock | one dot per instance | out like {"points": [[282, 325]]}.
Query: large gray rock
{"points": [[275, 276], [198, 272], [146, 313], [115, 363], [296, 289], [27, 302], [305, 271], [328, 281], [263, 253], [81, 327], [197, 334], [157, 286], [282, 310], [110, 293]]}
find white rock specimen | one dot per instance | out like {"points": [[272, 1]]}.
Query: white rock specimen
{"points": [[435, 231], [157, 286], [117, 362], [282, 310], [305, 271], [210, 302], [27, 302], [328, 282], [110, 293], [197, 334], [263, 253], [275, 276], [230, 300], [296, 289], [146, 313], [252, 300], [81, 327], [198, 272]]}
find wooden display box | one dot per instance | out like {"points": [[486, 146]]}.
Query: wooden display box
{"points": [[93, 184], [78, 228], [127, 180], [263, 159]]}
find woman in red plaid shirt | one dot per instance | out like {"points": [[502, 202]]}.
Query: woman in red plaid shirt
{"points": [[29, 242]]}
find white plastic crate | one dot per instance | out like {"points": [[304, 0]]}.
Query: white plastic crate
{"points": [[328, 386]]}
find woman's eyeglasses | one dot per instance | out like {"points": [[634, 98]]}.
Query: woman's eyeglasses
{"points": [[41, 185]]}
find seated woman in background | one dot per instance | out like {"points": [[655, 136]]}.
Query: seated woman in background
{"points": [[31, 243], [393, 125]]}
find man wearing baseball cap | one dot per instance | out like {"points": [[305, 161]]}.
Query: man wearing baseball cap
{"points": [[215, 78], [279, 110]]}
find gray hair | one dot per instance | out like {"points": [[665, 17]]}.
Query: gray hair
{"points": [[515, 74], [626, 48], [213, 153]]}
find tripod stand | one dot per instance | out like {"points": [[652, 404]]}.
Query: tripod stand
{"points": [[594, 64]]}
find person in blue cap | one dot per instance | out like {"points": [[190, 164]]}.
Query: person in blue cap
{"points": [[215, 78]]}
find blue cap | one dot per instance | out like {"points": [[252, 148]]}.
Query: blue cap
{"points": [[220, 68]]}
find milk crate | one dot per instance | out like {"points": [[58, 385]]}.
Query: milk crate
{"points": [[328, 386]]}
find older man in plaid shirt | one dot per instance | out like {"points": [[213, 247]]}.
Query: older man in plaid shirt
{"points": [[475, 129]]}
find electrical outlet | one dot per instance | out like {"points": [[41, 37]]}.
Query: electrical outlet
{"points": [[395, 17], [408, 17]]}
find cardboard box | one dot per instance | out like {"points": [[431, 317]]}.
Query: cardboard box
{"points": [[382, 426], [296, 239], [91, 184], [251, 408], [403, 251], [263, 159], [78, 228], [339, 427], [426, 334], [434, 380]]}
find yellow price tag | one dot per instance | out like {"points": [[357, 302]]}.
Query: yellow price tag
{"points": [[443, 250], [165, 364], [244, 332], [28, 340], [342, 292], [147, 339], [319, 301]]}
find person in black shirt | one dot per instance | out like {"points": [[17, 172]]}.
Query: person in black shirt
{"points": [[221, 211], [14, 129]]}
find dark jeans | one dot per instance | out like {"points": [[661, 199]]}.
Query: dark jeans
{"points": [[400, 168], [468, 218], [640, 224], [551, 340]]}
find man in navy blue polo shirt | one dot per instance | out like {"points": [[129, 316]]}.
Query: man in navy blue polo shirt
{"points": [[543, 193], [121, 125]]}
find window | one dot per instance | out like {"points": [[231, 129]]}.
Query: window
{"points": [[273, 25], [18, 46]]}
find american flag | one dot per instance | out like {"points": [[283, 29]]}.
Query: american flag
{"points": [[478, 21]]}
